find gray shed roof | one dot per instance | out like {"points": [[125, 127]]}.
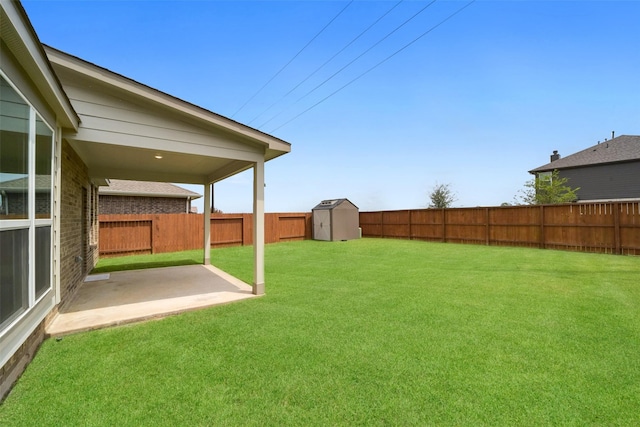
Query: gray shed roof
{"points": [[331, 203], [623, 148], [120, 187]]}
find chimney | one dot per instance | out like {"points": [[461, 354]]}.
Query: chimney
{"points": [[613, 134], [555, 156]]}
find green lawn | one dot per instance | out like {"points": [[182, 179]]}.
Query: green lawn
{"points": [[367, 332]]}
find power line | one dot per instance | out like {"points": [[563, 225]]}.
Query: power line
{"points": [[377, 65], [292, 59], [356, 58], [326, 62]]}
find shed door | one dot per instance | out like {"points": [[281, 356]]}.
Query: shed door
{"points": [[322, 225]]}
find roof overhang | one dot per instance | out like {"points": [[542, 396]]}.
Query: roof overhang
{"points": [[133, 194], [131, 131], [23, 42]]}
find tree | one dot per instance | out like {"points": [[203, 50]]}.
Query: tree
{"points": [[548, 189], [441, 196]]}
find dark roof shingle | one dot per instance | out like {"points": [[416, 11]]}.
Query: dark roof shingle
{"points": [[623, 148]]}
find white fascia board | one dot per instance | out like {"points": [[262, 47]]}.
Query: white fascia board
{"points": [[37, 63], [106, 192]]}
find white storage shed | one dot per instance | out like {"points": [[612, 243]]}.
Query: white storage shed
{"points": [[336, 219]]}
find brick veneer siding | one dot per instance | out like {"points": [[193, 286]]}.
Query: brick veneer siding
{"points": [[11, 371], [77, 257], [17, 203], [118, 205]]}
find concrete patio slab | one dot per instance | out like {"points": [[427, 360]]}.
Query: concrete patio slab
{"points": [[132, 296]]}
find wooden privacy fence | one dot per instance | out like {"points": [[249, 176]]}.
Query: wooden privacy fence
{"points": [[587, 227], [158, 233]]}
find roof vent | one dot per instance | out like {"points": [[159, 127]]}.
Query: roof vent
{"points": [[555, 156]]}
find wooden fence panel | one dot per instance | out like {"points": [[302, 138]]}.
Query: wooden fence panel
{"points": [[371, 224], [226, 230], [465, 225], [395, 224], [144, 234], [612, 227], [589, 227], [629, 224], [515, 226], [292, 227], [426, 224], [177, 232], [126, 235]]}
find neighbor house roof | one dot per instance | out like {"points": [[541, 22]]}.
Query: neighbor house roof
{"points": [[623, 148], [18, 185], [119, 187]]}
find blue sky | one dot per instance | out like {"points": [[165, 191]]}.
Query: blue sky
{"points": [[475, 103]]}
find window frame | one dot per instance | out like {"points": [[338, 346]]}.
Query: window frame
{"points": [[31, 223]]}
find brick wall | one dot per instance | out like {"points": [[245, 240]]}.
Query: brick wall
{"points": [[11, 371], [123, 205], [18, 202], [78, 254]]}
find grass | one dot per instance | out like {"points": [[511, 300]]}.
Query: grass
{"points": [[366, 332], [137, 262]]}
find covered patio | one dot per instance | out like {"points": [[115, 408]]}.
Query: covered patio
{"points": [[133, 132], [123, 297]]}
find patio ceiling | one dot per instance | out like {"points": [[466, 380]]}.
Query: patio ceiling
{"points": [[131, 131]]}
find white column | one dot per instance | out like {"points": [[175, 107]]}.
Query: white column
{"points": [[57, 201], [207, 225], [258, 228]]}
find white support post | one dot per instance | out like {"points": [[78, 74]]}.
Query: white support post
{"points": [[57, 201], [258, 228], [206, 259]]}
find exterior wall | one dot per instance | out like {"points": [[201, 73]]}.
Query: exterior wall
{"points": [[11, 371], [124, 205], [345, 221], [605, 182], [43, 203], [78, 228], [26, 335]]}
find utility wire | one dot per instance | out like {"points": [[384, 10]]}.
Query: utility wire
{"points": [[378, 64], [355, 59], [327, 61], [291, 60]]}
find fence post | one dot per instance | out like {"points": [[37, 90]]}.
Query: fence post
{"points": [[444, 227], [487, 240], [410, 228], [541, 243], [616, 228], [381, 224]]}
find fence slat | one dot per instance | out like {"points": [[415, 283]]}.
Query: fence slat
{"points": [[144, 234], [589, 227]]}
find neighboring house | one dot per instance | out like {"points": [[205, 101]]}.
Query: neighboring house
{"points": [[66, 127], [607, 171], [143, 197]]}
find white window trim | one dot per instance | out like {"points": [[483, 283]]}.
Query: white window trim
{"points": [[38, 307]]}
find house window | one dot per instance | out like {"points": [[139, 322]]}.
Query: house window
{"points": [[26, 200], [545, 176], [14, 274]]}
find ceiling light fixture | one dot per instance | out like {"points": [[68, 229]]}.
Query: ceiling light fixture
{"points": [[158, 156]]}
